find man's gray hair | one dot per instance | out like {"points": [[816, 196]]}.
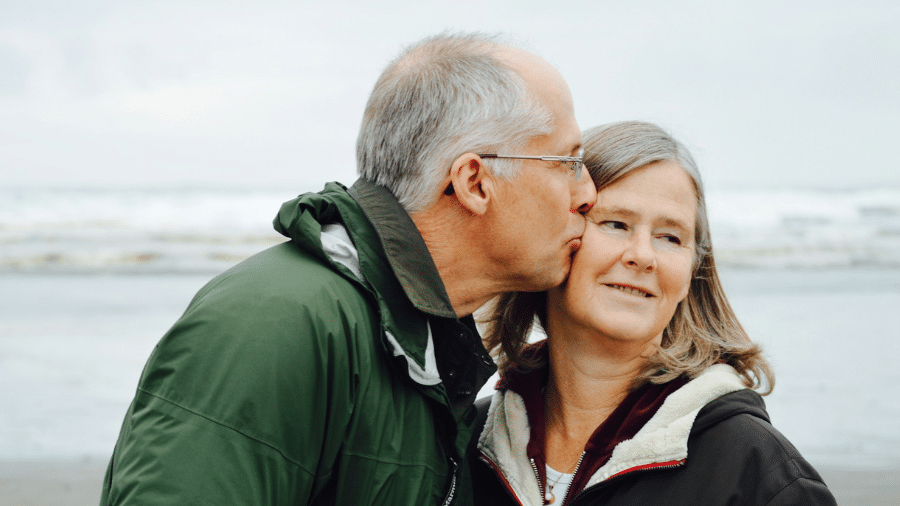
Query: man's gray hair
{"points": [[447, 95]]}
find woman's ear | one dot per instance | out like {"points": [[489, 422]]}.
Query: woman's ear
{"points": [[471, 183]]}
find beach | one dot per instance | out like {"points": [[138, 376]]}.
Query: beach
{"points": [[78, 483], [73, 346], [148, 146]]}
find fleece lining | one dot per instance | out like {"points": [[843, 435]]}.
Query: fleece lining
{"points": [[662, 439]]}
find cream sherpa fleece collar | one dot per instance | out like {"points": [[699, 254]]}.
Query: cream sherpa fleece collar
{"points": [[663, 439]]}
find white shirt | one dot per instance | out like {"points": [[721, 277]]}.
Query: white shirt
{"points": [[557, 485]]}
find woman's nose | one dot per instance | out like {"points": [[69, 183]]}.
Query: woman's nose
{"points": [[639, 253]]}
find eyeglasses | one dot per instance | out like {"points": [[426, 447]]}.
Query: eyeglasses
{"points": [[575, 162]]}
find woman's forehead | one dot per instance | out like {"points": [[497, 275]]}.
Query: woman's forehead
{"points": [[661, 191]]}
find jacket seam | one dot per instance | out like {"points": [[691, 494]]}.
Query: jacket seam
{"points": [[229, 427], [798, 475], [788, 451], [789, 484], [383, 460]]}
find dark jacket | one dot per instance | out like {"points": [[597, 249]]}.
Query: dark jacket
{"points": [[710, 443], [310, 373]]}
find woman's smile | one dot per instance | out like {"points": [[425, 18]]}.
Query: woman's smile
{"points": [[631, 290]]}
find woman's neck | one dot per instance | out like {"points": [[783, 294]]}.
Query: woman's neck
{"points": [[589, 378]]}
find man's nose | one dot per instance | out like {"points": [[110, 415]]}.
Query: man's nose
{"points": [[584, 193]]}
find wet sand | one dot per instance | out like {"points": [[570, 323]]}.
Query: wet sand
{"points": [[46, 483], [74, 347], [78, 483]]}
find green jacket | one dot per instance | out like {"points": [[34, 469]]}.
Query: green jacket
{"points": [[318, 371]]}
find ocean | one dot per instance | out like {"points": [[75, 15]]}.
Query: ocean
{"points": [[196, 230], [90, 280]]}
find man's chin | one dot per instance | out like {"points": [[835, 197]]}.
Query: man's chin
{"points": [[547, 278], [562, 274]]}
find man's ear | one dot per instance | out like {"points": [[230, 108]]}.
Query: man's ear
{"points": [[473, 185]]}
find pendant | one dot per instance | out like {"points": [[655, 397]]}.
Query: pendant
{"points": [[549, 498]]}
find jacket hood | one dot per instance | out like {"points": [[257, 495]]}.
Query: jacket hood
{"points": [[741, 402], [302, 219], [331, 226]]}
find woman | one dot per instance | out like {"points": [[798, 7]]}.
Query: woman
{"points": [[643, 391]]}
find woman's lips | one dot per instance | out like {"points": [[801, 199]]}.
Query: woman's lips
{"points": [[634, 290]]}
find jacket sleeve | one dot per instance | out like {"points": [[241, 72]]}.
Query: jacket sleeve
{"points": [[784, 476], [245, 400], [743, 459], [804, 491]]}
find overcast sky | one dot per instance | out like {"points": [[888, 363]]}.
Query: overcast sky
{"points": [[270, 94]]}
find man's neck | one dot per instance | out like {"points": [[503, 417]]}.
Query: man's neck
{"points": [[461, 261]]}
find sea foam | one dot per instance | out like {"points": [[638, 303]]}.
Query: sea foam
{"points": [[207, 230]]}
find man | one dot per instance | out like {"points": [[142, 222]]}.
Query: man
{"points": [[340, 367]]}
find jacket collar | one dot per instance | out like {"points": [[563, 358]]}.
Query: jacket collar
{"points": [[661, 441], [632, 413], [451, 342], [331, 226], [406, 251]]}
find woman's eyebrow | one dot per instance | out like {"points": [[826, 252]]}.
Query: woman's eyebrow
{"points": [[675, 222], [618, 211]]}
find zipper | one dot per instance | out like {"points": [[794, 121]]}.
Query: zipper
{"points": [[484, 458], [537, 476], [647, 467], [450, 494], [541, 485], [574, 473]]}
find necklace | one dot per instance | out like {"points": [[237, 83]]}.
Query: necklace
{"points": [[549, 498]]}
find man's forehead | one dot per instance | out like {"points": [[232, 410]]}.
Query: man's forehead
{"points": [[547, 85]]}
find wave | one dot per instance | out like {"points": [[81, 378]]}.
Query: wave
{"points": [[208, 230], [806, 228]]}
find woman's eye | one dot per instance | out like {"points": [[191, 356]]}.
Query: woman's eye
{"points": [[674, 239], [617, 225]]}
